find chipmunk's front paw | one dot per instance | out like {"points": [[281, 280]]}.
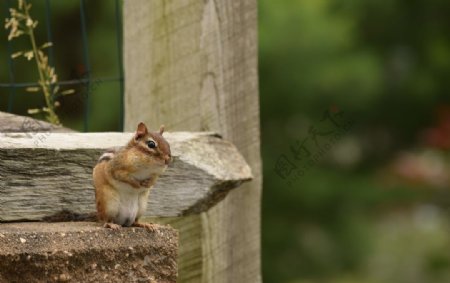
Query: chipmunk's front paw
{"points": [[135, 184], [147, 183], [112, 226], [150, 227]]}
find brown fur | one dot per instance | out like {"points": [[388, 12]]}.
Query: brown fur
{"points": [[123, 180]]}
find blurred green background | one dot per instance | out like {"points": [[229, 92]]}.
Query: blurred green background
{"points": [[365, 203], [375, 205]]}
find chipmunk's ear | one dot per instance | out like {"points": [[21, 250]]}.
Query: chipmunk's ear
{"points": [[141, 131], [161, 129]]}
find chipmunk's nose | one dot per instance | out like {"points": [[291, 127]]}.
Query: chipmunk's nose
{"points": [[167, 159]]}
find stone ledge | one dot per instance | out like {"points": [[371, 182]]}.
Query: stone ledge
{"points": [[86, 252]]}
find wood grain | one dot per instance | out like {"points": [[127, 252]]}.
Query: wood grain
{"points": [[41, 176], [14, 123], [192, 65]]}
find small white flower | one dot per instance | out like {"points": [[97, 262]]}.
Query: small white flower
{"points": [[33, 89], [29, 22], [45, 45], [29, 55], [17, 54], [33, 111], [67, 91]]}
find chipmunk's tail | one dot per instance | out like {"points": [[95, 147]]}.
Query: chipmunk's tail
{"points": [[67, 215]]}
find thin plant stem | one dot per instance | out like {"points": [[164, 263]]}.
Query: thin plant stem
{"points": [[43, 79]]}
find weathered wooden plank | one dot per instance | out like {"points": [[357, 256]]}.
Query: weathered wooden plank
{"points": [[192, 65], [42, 176], [14, 123]]}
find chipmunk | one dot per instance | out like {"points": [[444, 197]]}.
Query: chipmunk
{"points": [[123, 178]]}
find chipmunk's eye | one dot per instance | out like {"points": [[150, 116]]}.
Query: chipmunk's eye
{"points": [[151, 144]]}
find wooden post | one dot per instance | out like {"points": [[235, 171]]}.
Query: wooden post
{"points": [[192, 65]]}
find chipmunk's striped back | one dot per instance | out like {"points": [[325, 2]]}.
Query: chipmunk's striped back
{"points": [[108, 154]]}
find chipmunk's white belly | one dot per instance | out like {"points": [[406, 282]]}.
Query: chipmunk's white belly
{"points": [[129, 203]]}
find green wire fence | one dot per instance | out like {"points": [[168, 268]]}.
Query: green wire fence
{"points": [[86, 81]]}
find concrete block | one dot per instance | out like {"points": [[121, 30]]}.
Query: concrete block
{"points": [[86, 252]]}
